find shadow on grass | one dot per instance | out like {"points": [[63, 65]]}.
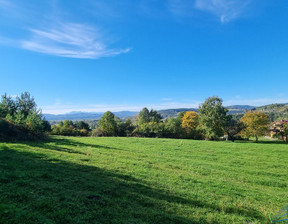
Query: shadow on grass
{"points": [[61, 145], [263, 142], [36, 190]]}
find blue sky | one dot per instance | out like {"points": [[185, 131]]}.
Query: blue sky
{"points": [[98, 55]]}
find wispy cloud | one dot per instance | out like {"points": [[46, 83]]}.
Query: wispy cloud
{"points": [[226, 10], [71, 40]]}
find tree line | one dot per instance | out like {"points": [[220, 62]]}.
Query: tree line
{"points": [[20, 118], [211, 123]]}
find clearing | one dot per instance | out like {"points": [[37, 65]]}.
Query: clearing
{"points": [[141, 180]]}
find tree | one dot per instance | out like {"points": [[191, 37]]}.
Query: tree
{"points": [[190, 121], [144, 116], [255, 124], [22, 117], [232, 129], [108, 124], [280, 128], [213, 117], [154, 116], [126, 128], [82, 125], [25, 104], [150, 129], [7, 106]]}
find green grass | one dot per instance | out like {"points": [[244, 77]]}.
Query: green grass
{"points": [[138, 180]]}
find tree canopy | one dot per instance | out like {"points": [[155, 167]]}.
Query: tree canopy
{"points": [[255, 124], [21, 117], [213, 117], [107, 124]]}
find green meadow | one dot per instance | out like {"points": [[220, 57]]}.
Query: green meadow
{"points": [[141, 180]]}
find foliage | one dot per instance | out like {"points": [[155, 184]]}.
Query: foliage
{"points": [[108, 124], [69, 128], [255, 124], [97, 132], [149, 124], [126, 128], [233, 129], [136, 180], [146, 116], [280, 129], [213, 118], [173, 128], [190, 122], [22, 118], [150, 129]]}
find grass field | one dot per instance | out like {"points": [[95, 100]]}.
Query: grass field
{"points": [[138, 180]]}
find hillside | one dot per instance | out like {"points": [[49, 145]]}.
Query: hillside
{"points": [[274, 111], [141, 180], [78, 115]]}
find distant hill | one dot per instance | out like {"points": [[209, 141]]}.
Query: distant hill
{"points": [[173, 112], [239, 109], [274, 111], [78, 115], [235, 109]]}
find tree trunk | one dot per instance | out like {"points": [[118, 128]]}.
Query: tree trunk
{"points": [[256, 138]]}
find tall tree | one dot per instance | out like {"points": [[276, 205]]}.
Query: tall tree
{"points": [[26, 104], [256, 124], [7, 106], [108, 124], [213, 117], [144, 116]]}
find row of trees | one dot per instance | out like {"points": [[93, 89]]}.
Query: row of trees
{"points": [[211, 123], [20, 118]]}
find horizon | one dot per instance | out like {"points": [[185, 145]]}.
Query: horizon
{"points": [[96, 56], [137, 111]]}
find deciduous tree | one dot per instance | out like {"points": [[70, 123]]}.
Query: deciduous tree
{"points": [[190, 121], [108, 124], [255, 124], [213, 117]]}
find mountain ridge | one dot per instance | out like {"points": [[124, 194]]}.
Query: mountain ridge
{"points": [[275, 111]]}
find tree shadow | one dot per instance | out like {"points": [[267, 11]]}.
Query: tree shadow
{"points": [[263, 142], [61, 145], [36, 190]]}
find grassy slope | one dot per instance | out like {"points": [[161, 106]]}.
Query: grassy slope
{"points": [[132, 180]]}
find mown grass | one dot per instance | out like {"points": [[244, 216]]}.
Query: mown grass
{"points": [[137, 180]]}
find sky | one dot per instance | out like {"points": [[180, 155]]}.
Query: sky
{"points": [[99, 55]]}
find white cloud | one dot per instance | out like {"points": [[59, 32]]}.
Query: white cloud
{"points": [[226, 10], [70, 40]]}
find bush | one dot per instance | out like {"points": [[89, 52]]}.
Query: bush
{"points": [[97, 132]]}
